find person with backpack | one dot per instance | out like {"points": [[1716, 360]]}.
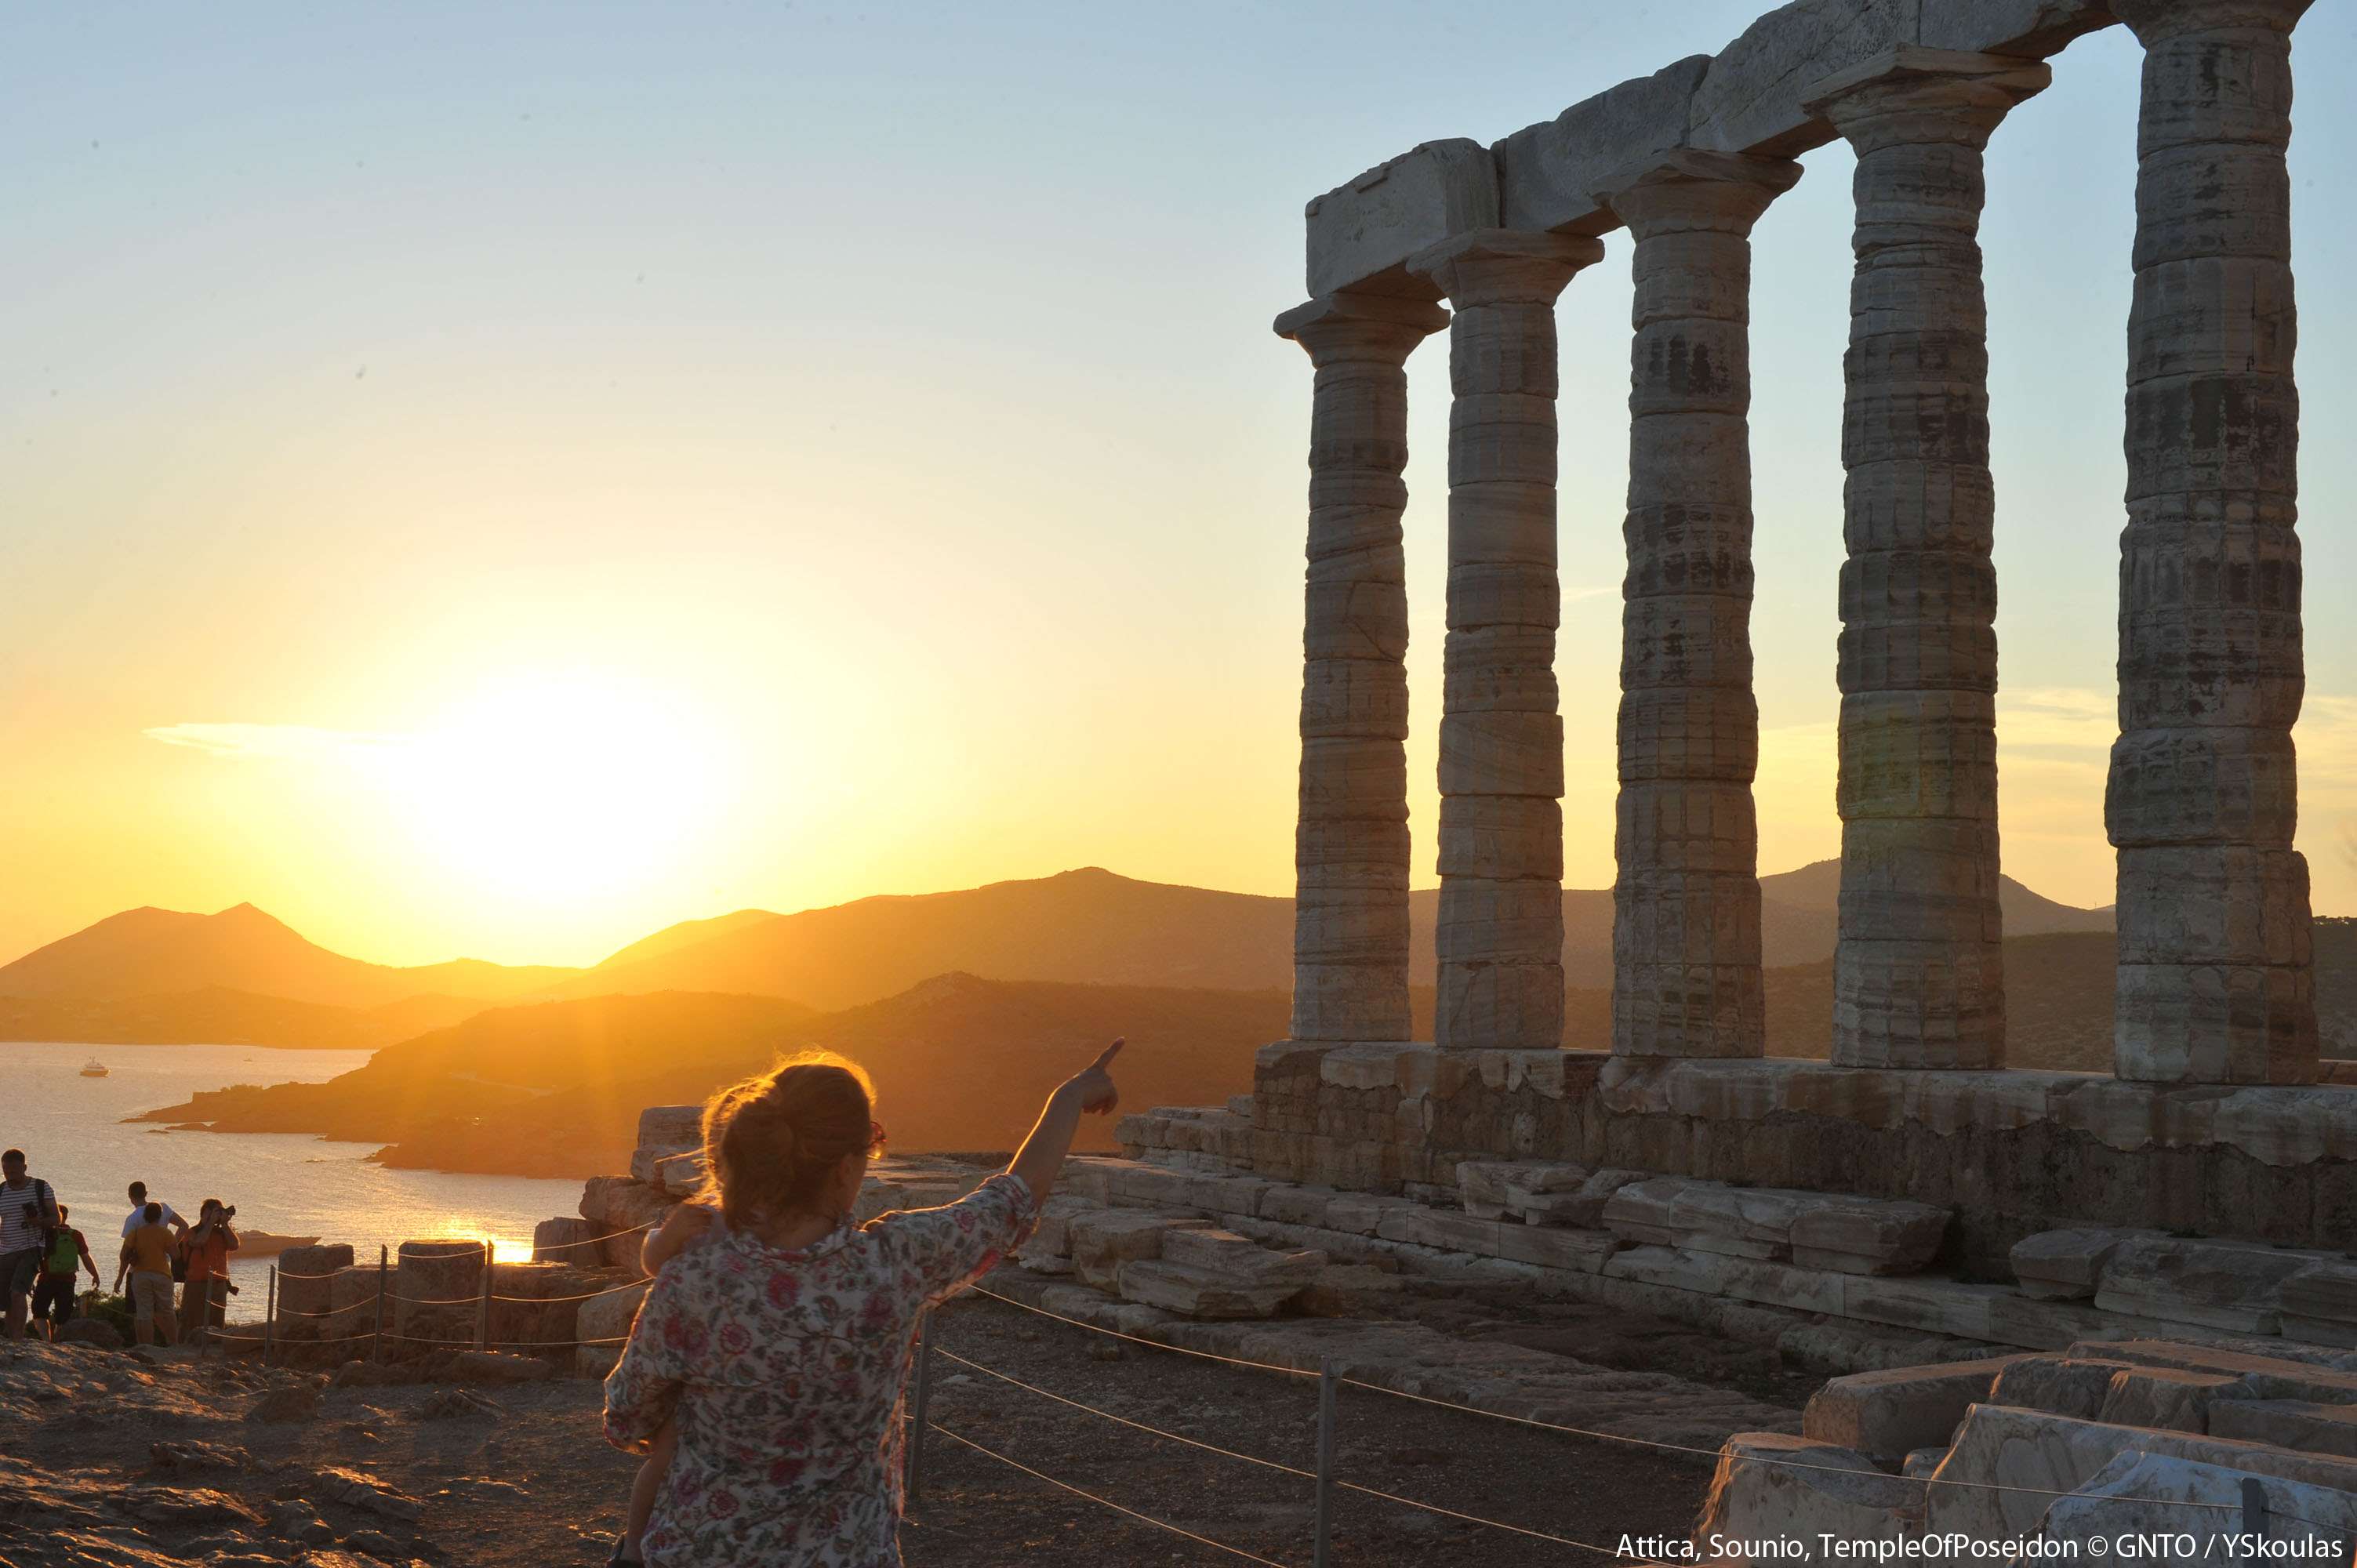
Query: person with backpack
{"points": [[28, 1211], [53, 1296]]}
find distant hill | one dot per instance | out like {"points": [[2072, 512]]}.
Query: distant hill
{"points": [[1091, 926], [960, 1063], [163, 952], [217, 1016]]}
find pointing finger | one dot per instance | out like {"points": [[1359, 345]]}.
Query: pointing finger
{"points": [[1110, 1051]]}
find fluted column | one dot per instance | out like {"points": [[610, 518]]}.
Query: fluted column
{"points": [[1918, 975], [1351, 838], [1686, 896], [1500, 936], [2215, 983]]}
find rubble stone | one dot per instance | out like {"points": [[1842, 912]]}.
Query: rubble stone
{"points": [[1889, 1415], [1772, 1488]]}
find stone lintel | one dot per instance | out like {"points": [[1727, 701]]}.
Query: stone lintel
{"points": [[2152, 21], [1687, 187], [1362, 233], [1547, 172]]}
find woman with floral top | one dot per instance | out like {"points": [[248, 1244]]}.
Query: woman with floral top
{"points": [[771, 1358]]}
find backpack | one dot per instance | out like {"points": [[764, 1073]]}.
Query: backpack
{"points": [[64, 1253], [180, 1261]]}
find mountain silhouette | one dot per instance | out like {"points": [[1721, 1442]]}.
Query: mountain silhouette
{"points": [[1093, 926], [154, 952]]}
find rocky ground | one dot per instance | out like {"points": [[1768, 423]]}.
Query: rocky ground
{"points": [[142, 1459]]}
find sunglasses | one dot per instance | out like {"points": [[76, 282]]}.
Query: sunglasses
{"points": [[875, 1138]]}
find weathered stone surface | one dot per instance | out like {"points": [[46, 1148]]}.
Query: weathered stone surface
{"points": [[1919, 966], [1548, 173], [1226, 1255], [1350, 840], [1361, 234], [671, 1126], [2166, 1397], [1198, 1293], [2064, 1265], [1772, 1488], [2215, 983], [2071, 1385], [1839, 1231], [1888, 1415], [2052, 1454], [2218, 1284], [1491, 1189], [2303, 1425], [1499, 937], [2144, 1496], [602, 1324], [1104, 1240], [1867, 1236], [1349, 1290], [566, 1240], [2319, 1303]]}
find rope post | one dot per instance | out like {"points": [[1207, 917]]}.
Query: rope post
{"points": [[1326, 1384], [376, 1340], [270, 1315], [483, 1307], [916, 1446]]}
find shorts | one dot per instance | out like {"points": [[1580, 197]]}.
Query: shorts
{"points": [[53, 1298], [17, 1269], [151, 1296]]}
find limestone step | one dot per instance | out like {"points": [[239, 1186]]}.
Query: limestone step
{"points": [[1839, 1231], [1224, 1255], [1198, 1293], [2223, 1284], [1103, 1240], [1888, 1416]]}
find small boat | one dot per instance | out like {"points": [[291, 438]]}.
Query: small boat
{"points": [[94, 1069]]}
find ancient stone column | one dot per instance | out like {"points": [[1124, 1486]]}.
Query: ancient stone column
{"points": [[2214, 982], [1499, 937], [1351, 838], [1918, 978], [1685, 899]]}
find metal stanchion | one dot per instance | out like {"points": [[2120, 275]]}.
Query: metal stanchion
{"points": [[483, 1307], [376, 1344], [270, 1316], [916, 1448], [1326, 1384]]}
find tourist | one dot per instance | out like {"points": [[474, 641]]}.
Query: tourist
{"points": [[779, 1349], [138, 1215], [204, 1298], [148, 1256], [27, 1209], [62, 1254]]}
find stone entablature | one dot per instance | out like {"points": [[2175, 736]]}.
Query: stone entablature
{"points": [[2013, 1153]]}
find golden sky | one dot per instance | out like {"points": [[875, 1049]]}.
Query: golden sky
{"points": [[515, 490]]}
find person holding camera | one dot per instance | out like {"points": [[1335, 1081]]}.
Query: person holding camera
{"points": [[204, 1296]]}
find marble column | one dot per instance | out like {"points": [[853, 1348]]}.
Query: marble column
{"points": [[1500, 935], [1685, 897], [2215, 983], [1351, 838], [1918, 978]]}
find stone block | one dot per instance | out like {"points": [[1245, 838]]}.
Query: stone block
{"points": [[566, 1240], [2319, 1303], [1360, 235], [1775, 1488], [2064, 1265], [1749, 99], [1350, 1290], [1584, 1206], [1491, 1189], [1226, 1255], [2070, 1385], [608, 1317], [672, 1126], [1547, 173], [2000, 1447], [1889, 1415], [2303, 1425], [2197, 1508], [1105, 1239], [2164, 1397], [2219, 1285], [1194, 1292], [1868, 1236]]}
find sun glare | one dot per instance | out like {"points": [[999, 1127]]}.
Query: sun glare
{"points": [[546, 788]]}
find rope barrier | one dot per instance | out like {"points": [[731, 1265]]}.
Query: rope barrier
{"points": [[1150, 1344], [1711, 1454], [552, 1247], [1125, 1420], [587, 1295], [1103, 1502]]}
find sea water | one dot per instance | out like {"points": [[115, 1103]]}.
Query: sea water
{"points": [[74, 1136]]}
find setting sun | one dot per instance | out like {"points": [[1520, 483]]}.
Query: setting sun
{"points": [[553, 785]]}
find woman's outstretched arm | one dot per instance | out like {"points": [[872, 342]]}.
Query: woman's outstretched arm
{"points": [[1042, 1154]]}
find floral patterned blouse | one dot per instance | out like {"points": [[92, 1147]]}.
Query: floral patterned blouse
{"points": [[783, 1372]]}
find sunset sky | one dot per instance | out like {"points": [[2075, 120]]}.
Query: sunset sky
{"points": [[498, 480]]}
